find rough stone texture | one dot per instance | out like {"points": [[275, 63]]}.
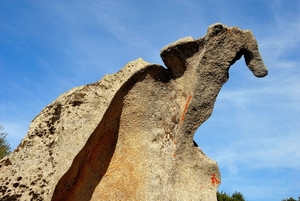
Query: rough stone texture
{"points": [[129, 136]]}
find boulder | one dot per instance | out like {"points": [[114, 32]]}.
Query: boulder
{"points": [[129, 136]]}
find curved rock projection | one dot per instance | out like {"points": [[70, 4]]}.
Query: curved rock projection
{"points": [[130, 135]]}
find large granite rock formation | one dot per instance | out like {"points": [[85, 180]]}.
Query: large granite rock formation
{"points": [[129, 136]]}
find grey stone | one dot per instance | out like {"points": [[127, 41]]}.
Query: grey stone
{"points": [[129, 136]]}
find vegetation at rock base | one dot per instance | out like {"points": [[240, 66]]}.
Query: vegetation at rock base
{"points": [[236, 196], [291, 199], [4, 145]]}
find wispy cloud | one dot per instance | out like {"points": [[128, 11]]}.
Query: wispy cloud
{"points": [[283, 34]]}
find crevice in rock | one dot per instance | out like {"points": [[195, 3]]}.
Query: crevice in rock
{"points": [[92, 162]]}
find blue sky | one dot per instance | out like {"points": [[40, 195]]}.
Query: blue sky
{"points": [[49, 47]]}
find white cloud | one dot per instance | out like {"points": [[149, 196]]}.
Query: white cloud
{"points": [[282, 35]]}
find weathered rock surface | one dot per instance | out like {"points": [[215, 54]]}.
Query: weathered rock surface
{"points": [[129, 136]]}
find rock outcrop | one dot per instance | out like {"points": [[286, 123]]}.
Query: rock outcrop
{"points": [[129, 136]]}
